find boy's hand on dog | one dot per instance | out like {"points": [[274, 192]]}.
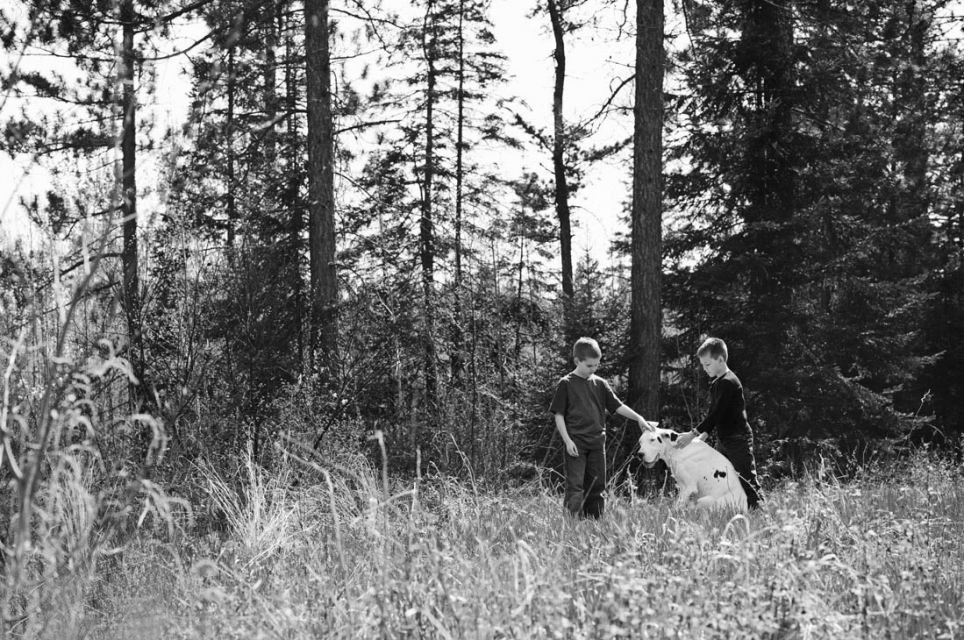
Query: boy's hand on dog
{"points": [[686, 438]]}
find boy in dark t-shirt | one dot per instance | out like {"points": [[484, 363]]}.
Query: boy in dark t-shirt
{"points": [[728, 416], [579, 407]]}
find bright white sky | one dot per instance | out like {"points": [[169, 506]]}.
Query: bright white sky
{"points": [[595, 63]]}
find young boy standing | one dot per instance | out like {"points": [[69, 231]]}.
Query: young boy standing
{"points": [[728, 416], [579, 407]]}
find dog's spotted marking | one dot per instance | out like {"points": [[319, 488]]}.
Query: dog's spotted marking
{"points": [[719, 474]]}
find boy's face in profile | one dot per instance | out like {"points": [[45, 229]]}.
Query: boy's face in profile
{"points": [[714, 367], [585, 368]]}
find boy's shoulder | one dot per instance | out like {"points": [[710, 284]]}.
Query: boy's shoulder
{"points": [[569, 377], [731, 378], [572, 376]]}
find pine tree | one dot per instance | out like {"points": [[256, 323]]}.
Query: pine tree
{"points": [[557, 16], [321, 196], [940, 387], [446, 68], [110, 47], [804, 243], [236, 199], [647, 219]]}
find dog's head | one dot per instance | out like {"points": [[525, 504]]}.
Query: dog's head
{"points": [[652, 444]]}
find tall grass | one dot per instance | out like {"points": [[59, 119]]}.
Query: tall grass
{"points": [[349, 557], [73, 487], [64, 513]]}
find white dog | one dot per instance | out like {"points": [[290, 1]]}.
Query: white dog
{"points": [[699, 470]]}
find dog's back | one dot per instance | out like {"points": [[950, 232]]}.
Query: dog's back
{"points": [[701, 470]]}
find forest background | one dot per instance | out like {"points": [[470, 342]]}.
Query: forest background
{"points": [[340, 251]]}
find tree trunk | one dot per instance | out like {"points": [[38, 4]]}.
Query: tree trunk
{"points": [[270, 85], [457, 337], [558, 159], [289, 199], [268, 162], [232, 205], [321, 198], [128, 185], [520, 278], [646, 305], [426, 222]]}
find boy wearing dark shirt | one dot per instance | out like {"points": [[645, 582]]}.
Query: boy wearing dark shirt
{"points": [[728, 416], [579, 407]]}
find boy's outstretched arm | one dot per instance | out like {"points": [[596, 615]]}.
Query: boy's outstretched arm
{"points": [[626, 412], [688, 437], [718, 407]]}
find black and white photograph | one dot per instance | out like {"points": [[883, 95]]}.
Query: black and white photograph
{"points": [[481, 319]]}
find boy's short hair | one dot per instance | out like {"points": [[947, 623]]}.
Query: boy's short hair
{"points": [[715, 347], [586, 348]]}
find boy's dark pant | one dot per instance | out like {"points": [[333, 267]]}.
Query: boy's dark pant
{"points": [[739, 451], [585, 481]]}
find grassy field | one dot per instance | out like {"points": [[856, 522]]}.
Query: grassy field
{"points": [[880, 556]]}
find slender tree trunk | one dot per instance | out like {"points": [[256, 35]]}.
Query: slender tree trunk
{"points": [[426, 222], [268, 161], [558, 158], [321, 198], [270, 83], [646, 305], [457, 337], [128, 182], [290, 200], [232, 205], [520, 275]]}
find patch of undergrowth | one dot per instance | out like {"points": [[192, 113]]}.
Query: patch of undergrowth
{"points": [[879, 556]]}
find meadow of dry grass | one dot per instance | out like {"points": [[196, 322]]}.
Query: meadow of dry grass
{"points": [[880, 556]]}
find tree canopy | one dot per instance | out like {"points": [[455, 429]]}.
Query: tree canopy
{"points": [[361, 226]]}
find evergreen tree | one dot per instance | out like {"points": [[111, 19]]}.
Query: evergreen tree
{"points": [[446, 68], [237, 198], [108, 45], [940, 389], [321, 194], [557, 17], [647, 210], [803, 241]]}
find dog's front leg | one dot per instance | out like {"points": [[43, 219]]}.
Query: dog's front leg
{"points": [[685, 493]]}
